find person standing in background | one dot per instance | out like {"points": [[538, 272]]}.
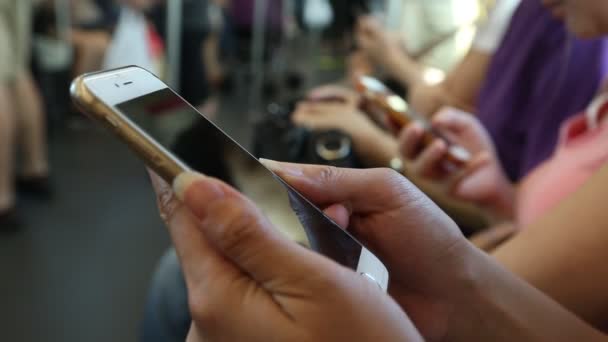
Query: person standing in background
{"points": [[22, 120]]}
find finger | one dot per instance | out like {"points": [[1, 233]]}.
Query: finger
{"points": [[200, 262], [429, 162], [302, 116], [410, 140], [326, 186], [339, 213], [473, 178], [451, 120], [239, 231]]}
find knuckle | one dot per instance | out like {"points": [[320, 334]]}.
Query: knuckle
{"points": [[239, 229], [329, 174]]}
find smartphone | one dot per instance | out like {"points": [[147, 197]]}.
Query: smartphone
{"points": [[393, 111], [123, 101]]}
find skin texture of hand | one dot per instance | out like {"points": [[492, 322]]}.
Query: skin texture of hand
{"points": [[246, 282], [482, 181], [422, 247]]}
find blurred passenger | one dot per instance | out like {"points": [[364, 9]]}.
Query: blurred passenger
{"points": [[22, 121], [94, 23], [134, 39], [201, 71], [534, 50], [517, 79], [581, 153]]}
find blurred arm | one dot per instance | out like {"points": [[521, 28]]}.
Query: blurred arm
{"points": [[460, 89], [564, 254]]}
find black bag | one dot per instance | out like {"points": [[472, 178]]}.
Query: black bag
{"points": [[277, 138]]}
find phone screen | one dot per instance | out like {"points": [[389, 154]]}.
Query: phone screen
{"points": [[167, 118]]}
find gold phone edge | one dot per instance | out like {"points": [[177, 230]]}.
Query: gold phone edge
{"points": [[167, 166]]}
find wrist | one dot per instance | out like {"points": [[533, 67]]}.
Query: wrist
{"points": [[474, 303]]}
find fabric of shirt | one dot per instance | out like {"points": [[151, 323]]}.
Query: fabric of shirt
{"points": [[491, 33], [538, 78], [580, 154]]}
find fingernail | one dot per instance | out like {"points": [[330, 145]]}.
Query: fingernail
{"points": [[184, 181], [284, 169]]}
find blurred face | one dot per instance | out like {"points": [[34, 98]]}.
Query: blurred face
{"points": [[584, 18]]}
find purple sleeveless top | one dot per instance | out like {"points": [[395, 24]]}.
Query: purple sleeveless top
{"points": [[539, 77]]}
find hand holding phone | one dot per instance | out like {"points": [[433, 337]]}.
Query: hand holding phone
{"points": [[124, 100], [395, 112]]}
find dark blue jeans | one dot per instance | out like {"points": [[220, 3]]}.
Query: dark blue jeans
{"points": [[166, 316]]}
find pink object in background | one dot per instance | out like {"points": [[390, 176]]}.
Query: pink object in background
{"points": [[582, 151]]}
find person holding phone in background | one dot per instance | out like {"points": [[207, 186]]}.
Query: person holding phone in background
{"points": [[580, 153], [516, 79], [504, 79]]}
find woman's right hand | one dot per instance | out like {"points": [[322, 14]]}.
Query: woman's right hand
{"points": [[482, 181]]}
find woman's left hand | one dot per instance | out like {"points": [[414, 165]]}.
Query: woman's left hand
{"points": [[247, 282]]}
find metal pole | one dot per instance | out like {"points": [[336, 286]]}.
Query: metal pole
{"points": [[257, 52], [174, 42], [64, 22]]}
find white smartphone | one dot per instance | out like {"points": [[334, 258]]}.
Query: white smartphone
{"points": [[123, 100]]}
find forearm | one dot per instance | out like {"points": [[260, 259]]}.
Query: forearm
{"points": [[496, 305], [463, 84], [563, 253], [405, 70]]}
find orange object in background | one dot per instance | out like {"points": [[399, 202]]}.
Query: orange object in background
{"points": [[392, 111]]}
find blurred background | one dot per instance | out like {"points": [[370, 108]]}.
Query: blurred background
{"points": [[82, 237]]}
